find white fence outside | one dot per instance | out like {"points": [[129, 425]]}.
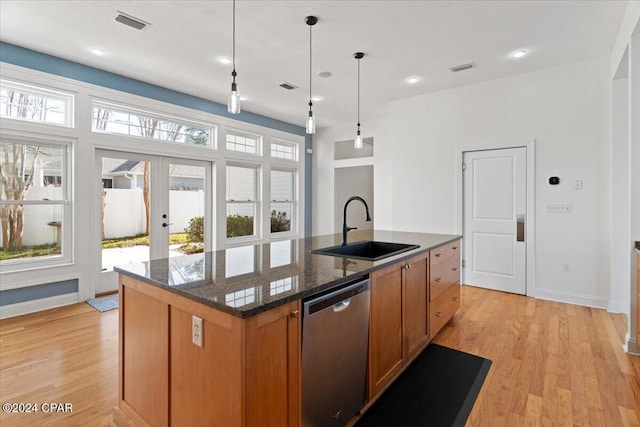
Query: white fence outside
{"points": [[124, 213]]}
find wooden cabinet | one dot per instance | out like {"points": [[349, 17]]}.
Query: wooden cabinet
{"points": [[399, 319], [247, 373], [415, 319], [385, 327], [444, 285]]}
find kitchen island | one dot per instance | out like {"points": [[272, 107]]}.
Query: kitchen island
{"points": [[215, 338]]}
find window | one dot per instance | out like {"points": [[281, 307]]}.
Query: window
{"points": [[282, 195], [122, 121], [284, 150], [34, 204], [242, 204], [35, 104], [243, 142]]}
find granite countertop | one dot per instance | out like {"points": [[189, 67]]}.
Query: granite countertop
{"points": [[248, 280]]}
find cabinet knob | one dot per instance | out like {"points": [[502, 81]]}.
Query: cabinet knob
{"points": [[438, 255], [438, 314], [438, 279], [455, 269], [294, 313], [454, 248], [455, 298]]}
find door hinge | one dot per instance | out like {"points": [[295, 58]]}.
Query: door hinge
{"points": [[464, 166], [464, 263]]}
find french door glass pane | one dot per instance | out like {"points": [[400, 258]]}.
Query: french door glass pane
{"points": [[186, 209], [126, 206]]}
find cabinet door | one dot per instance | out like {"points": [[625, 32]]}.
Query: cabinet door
{"points": [[385, 355], [416, 283], [273, 353]]}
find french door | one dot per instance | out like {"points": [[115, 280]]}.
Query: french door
{"points": [[150, 207]]}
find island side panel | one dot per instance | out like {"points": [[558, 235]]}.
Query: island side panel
{"points": [[206, 381], [145, 360]]}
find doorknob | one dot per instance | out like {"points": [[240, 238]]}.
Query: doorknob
{"points": [[164, 224]]}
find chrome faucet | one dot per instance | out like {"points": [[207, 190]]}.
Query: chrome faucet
{"points": [[345, 227]]}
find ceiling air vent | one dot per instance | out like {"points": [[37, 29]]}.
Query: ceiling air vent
{"points": [[130, 21], [288, 86], [462, 67]]}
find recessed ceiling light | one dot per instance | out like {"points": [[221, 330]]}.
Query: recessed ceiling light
{"points": [[519, 53], [97, 51], [224, 60], [316, 98], [325, 74], [413, 79]]}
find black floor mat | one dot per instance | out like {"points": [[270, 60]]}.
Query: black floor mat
{"points": [[438, 389]]}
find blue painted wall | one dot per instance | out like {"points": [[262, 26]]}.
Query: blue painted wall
{"points": [[15, 296], [27, 58]]}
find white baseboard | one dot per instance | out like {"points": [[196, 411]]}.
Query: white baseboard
{"points": [[617, 306], [632, 346], [27, 307], [571, 298]]}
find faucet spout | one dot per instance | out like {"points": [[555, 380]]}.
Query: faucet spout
{"points": [[345, 227]]}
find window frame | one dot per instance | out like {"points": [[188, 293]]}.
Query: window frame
{"points": [[128, 109], [257, 202], [293, 226], [243, 133], [69, 99], [67, 247]]}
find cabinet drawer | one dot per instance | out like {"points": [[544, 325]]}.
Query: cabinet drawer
{"points": [[443, 308], [443, 275], [443, 252]]}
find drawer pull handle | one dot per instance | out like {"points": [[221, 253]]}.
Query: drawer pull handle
{"points": [[438, 255], [438, 314], [454, 248], [409, 266], [294, 313], [455, 269], [455, 298], [438, 279]]}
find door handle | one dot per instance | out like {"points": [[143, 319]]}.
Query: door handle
{"points": [[164, 224], [520, 219]]}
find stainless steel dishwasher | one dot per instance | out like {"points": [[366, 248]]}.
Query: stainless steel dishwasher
{"points": [[335, 336]]}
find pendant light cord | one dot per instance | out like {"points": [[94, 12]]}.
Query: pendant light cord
{"points": [[233, 48], [310, 65], [358, 93]]}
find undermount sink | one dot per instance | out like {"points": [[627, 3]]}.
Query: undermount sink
{"points": [[368, 249]]}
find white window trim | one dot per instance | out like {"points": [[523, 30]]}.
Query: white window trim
{"points": [[69, 99], [68, 215]]}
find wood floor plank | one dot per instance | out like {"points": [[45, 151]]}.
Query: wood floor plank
{"points": [[553, 364]]}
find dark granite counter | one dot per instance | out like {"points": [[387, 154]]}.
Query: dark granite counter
{"points": [[248, 280]]}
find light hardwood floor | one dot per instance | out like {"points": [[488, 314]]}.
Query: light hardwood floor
{"points": [[553, 364]]}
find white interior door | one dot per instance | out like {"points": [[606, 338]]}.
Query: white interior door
{"points": [[146, 204], [495, 205]]}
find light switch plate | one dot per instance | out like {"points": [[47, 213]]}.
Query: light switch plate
{"points": [[197, 331]]}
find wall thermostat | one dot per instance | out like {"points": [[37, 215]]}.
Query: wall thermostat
{"points": [[554, 180]]}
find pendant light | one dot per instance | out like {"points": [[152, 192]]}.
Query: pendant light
{"points": [[311, 120], [358, 142], [233, 103]]}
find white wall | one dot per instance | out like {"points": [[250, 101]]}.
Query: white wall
{"points": [[565, 109], [354, 181], [620, 206]]}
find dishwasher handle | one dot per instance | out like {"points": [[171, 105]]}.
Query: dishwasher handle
{"points": [[338, 299]]}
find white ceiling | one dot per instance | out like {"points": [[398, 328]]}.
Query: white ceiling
{"points": [[400, 38]]}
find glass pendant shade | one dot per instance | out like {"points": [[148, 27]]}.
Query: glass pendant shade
{"points": [[233, 103], [311, 123], [358, 143]]}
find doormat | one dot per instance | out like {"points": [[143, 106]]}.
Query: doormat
{"points": [[102, 304], [439, 388]]}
